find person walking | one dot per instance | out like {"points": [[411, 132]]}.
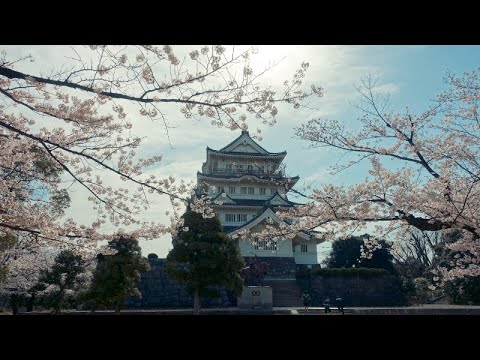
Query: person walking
{"points": [[326, 303], [306, 300], [339, 302]]}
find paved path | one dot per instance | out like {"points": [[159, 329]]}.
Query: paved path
{"points": [[429, 309], [439, 309]]}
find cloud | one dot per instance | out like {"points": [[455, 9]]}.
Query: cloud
{"points": [[388, 88], [321, 175]]}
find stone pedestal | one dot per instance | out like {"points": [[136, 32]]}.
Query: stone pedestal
{"points": [[256, 298]]}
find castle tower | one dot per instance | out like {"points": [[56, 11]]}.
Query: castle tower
{"points": [[250, 183]]}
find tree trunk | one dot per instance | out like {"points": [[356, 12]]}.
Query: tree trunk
{"points": [[118, 304], [14, 303], [196, 302], [30, 303]]}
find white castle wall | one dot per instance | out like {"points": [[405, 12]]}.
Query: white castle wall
{"points": [[221, 215], [221, 164], [309, 257], [213, 190], [284, 249]]}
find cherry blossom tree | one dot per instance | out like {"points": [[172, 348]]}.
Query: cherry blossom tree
{"points": [[22, 263], [72, 122], [424, 169], [6, 243]]}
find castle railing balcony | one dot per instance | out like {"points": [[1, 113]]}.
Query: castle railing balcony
{"points": [[257, 172]]}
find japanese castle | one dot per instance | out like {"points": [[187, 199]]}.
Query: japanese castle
{"points": [[247, 184]]}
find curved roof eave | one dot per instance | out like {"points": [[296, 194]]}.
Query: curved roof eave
{"points": [[220, 176], [286, 200], [259, 218], [220, 152], [247, 134]]}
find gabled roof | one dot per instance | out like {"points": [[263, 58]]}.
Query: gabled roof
{"points": [[248, 202], [264, 214], [279, 200], [224, 198], [274, 201], [245, 145]]}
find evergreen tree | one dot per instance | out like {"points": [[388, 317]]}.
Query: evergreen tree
{"points": [[58, 285], [117, 276], [203, 256], [346, 254]]}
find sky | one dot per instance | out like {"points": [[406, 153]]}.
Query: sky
{"points": [[410, 75]]}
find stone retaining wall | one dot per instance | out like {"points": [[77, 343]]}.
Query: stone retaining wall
{"points": [[381, 290], [159, 291]]}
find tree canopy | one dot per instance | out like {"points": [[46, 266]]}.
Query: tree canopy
{"points": [[73, 119], [203, 257], [424, 169], [116, 276], [347, 253]]}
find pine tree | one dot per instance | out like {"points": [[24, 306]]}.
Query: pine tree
{"points": [[203, 256], [59, 284], [117, 276]]}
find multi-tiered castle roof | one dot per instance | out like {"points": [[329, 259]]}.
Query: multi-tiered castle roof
{"points": [[244, 176], [247, 184]]}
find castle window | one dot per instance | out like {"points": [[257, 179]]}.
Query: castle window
{"points": [[266, 245], [251, 190], [272, 191], [249, 168], [243, 190], [236, 217], [240, 167], [304, 248], [220, 189], [231, 189], [241, 217], [228, 167], [262, 191]]}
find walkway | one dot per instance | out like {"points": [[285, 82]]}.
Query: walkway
{"points": [[439, 309]]}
